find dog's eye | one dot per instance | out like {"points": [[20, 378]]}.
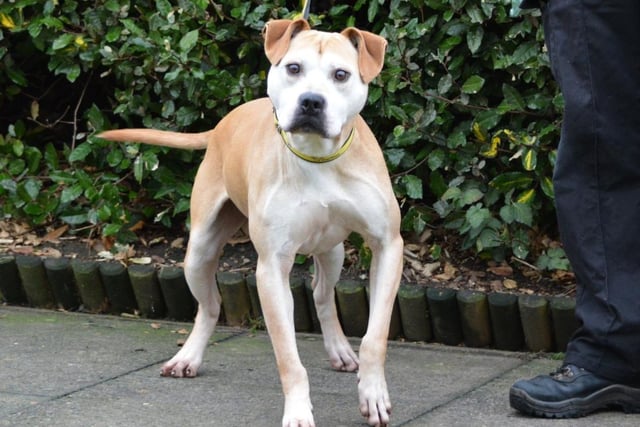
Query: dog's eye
{"points": [[341, 75], [293, 69]]}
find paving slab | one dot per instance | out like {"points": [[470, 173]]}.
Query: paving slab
{"points": [[488, 405], [68, 369]]}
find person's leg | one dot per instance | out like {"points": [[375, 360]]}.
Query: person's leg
{"points": [[594, 48], [595, 53]]}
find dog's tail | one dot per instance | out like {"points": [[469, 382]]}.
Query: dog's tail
{"points": [[188, 141]]}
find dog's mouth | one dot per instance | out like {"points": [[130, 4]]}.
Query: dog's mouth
{"points": [[310, 115], [307, 124]]}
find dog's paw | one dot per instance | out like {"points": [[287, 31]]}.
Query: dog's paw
{"points": [[297, 422], [375, 404], [341, 355], [179, 368], [298, 414]]}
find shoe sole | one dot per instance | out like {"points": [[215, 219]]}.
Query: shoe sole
{"points": [[615, 396]]}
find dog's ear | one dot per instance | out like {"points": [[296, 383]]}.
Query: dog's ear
{"points": [[277, 36], [371, 48]]}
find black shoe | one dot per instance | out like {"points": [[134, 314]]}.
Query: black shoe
{"points": [[571, 392]]}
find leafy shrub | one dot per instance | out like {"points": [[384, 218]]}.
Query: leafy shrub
{"points": [[477, 114], [466, 109]]}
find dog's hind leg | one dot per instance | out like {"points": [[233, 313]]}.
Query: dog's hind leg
{"points": [[327, 273], [207, 238]]}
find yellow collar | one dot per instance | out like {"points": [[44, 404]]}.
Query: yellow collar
{"points": [[313, 159]]}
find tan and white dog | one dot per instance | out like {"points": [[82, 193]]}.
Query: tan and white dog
{"points": [[303, 168]]}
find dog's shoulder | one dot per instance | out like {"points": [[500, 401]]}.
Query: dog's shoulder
{"points": [[250, 111]]}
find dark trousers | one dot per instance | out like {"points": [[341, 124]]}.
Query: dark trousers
{"points": [[594, 46]]}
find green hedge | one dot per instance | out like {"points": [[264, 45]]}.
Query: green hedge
{"points": [[466, 109]]}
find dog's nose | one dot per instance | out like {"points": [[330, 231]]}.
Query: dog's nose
{"points": [[311, 103]]}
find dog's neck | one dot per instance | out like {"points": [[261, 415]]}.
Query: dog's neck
{"points": [[315, 148]]}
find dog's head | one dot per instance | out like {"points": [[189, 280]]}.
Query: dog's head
{"points": [[318, 81]]}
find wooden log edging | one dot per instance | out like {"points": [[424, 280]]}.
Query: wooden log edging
{"points": [[431, 314], [117, 286], [414, 313], [474, 318], [60, 275], [505, 321], [180, 303], [445, 317], [34, 281], [89, 285], [11, 286]]}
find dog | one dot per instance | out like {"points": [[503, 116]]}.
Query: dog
{"points": [[304, 170]]}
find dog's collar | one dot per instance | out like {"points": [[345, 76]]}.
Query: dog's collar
{"points": [[306, 157]]}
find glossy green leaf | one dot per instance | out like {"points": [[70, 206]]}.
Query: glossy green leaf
{"points": [[70, 194], [547, 187], [474, 38], [413, 186], [511, 180], [80, 152], [189, 40], [476, 215], [530, 159], [473, 84]]}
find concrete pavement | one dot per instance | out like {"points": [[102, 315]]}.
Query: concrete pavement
{"points": [[69, 369]]}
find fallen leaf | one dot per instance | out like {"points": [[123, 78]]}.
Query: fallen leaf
{"points": [[156, 241], [157, 259], [429, 268], [562, 275], [510, 284], [32, 239], [141, 260], [412, 247], [50, 253], [501, 270], [105, 255], [23, 250], [107, 242], [532, 274], [54, 235], [124, 252], [448, 273], [137, 226], [426, 235], [178, 243], [496, 285], [478, 274], [423, 251]]}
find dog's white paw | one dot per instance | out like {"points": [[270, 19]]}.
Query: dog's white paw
{"points": [[341, 355], [180, 366], [375, 404], [297, 413]]}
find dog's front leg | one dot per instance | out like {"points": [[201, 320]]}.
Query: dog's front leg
{"points": [[272, 276], [386, 269]]}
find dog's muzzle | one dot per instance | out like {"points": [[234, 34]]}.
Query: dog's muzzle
{"points": [[310, 115]]}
